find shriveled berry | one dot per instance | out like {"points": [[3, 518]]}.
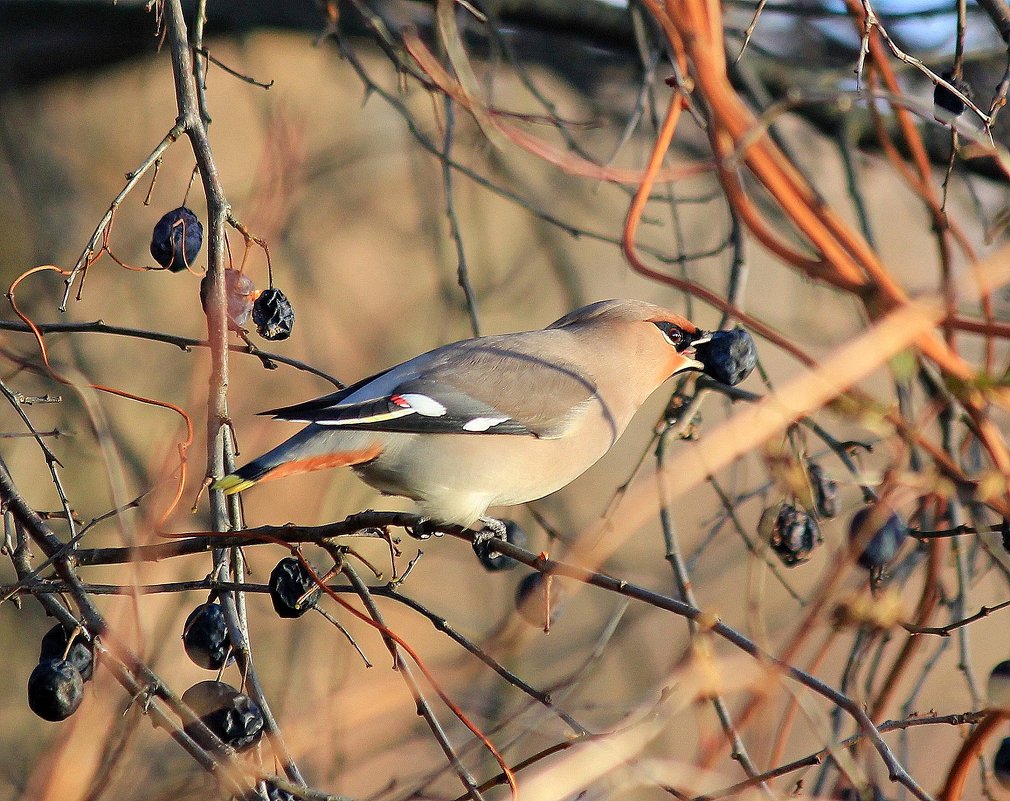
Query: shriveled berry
{"points": [[888, 533], [55, 689], [205, 637], [273, 314], [998, 686], [946, 99], [80, 655], [535, 604], [825, 491], [729, 356], [239, 289], [492, 559], [239, 292], [1001, 764], [177, 239], [290, 583], [233, 717], [791, 532]]}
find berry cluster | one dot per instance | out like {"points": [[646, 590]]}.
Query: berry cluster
{"points": [[231, 716], [792, 531], [175, 244], [56, 685]]}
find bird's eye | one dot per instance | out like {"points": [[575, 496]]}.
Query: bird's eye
{"points": [[673, 334]]}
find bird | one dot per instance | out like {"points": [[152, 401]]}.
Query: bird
{"points": [[499, 420]]}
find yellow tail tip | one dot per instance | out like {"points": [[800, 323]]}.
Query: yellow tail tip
{"points": [[231, 484]]}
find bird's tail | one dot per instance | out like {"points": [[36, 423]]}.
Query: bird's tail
{"points": [[241, 479], [310, 449]]}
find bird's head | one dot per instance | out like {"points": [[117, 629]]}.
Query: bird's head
{"points": [[677, 344], [668, 342]]}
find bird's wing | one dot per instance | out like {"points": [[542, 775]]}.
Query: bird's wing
{"points": [[492, 385]]}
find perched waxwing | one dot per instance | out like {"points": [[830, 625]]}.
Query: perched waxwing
{"points": [[499, 420]]}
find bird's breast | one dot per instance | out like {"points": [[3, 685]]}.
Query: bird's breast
{"points": [[450, 475]]}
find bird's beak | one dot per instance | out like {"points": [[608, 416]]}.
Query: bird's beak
{"points": [[690, 353]]}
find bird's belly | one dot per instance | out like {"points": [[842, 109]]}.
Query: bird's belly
{"points": [[456, 481]]}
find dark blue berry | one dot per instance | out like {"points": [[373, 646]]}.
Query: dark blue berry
{"points": [[205, 637], [998, 686], [273, 314], [177, 239], [1001, 764], [946, 99], [792, 534], [289, 582], [234, 718], [888, 533], [80, 655], [729, 356], [55, 689]]}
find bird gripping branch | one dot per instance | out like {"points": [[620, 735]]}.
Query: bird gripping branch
{"points": [[499, 420]]}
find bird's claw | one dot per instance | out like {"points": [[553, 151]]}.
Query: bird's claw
{"points": [[484, 539]]}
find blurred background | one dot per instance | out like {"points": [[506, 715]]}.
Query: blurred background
{"points": [[348, 190]]}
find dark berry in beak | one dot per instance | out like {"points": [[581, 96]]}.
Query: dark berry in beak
{"points": [[729, 356]]}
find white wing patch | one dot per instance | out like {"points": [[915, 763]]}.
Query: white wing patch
{"points": [[479, 424], [422, 404]]}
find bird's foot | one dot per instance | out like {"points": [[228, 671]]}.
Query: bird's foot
{"points": [[492, 529], [485, 540]]}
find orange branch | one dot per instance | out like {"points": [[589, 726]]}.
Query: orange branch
{"points": [[953, 788]]}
